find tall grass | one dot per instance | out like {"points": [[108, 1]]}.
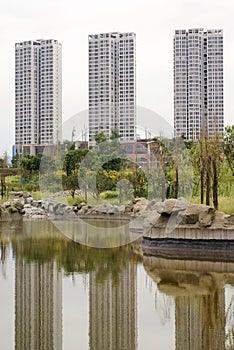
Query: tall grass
{"points": [[226, 204]]}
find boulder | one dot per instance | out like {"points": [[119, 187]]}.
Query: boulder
{"points": [[172, 205], [93, 212], [122, 209], [18, 200], [68, 209], [34, 213], [38, 203], [26, 206], [200, 214], [84, 209], [16, 193], [29, 200], [206, 217], [6, 205], [138, 199], [26, 194], [150, 219], [152, 205], [140, 206], [80, 205], [59, 208], [100, 209], [128, 208], [106, 208], [165, 208], [75, 209], [114, 209], [50, 208], [230, 219], [18, 205]]}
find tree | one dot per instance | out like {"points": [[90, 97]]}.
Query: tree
{"points": [[229, 146], [100, 161], [115, 135], [103, 181], [15, 162], [172, 168], [72, 160], [206, 162], [100, 137], [4, 160], [71, 165], [30, 164], [159, 150]]}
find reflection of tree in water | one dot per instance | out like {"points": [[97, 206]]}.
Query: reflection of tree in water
{"points": [[73, 257], [3, 254], [41, 253], [41, 242], [230, 325], [230, 339], [4, 248], [163, 304]]}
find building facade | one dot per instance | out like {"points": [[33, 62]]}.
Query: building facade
{"points": [[112, 85], [198, 83], [38, 93]]}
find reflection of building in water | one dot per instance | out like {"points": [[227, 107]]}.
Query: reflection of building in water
{"points": [[38, 306], [200, 321], [112, 313], [198, 291]]}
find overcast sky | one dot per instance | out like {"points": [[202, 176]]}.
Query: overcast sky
{"points": [[71, 21]]}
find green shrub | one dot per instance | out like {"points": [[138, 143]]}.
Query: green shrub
{"points": [[76, 200], [109, 195]]}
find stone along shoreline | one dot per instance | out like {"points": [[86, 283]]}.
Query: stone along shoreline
{"points": [[174, 221]]}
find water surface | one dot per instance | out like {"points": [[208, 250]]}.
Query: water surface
{"points": [[57, 294]]}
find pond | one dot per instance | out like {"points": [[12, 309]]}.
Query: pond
{"points": [[57, 294]]}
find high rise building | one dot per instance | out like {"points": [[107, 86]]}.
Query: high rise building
{"points": [[198, 82], [112, 85], [38, 93]]}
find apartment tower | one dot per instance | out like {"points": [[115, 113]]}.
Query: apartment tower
{"points": [[38, 94], [198, 83], [112, 85]]}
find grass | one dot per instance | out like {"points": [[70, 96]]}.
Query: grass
{"points": [[40, 195], [226, 204]]}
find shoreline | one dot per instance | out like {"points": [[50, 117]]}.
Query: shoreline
{"points": [[174, 224]]}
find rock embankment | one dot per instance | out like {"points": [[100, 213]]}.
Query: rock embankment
{"points": [[180, 213], [150, 213], [22, 204]]}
